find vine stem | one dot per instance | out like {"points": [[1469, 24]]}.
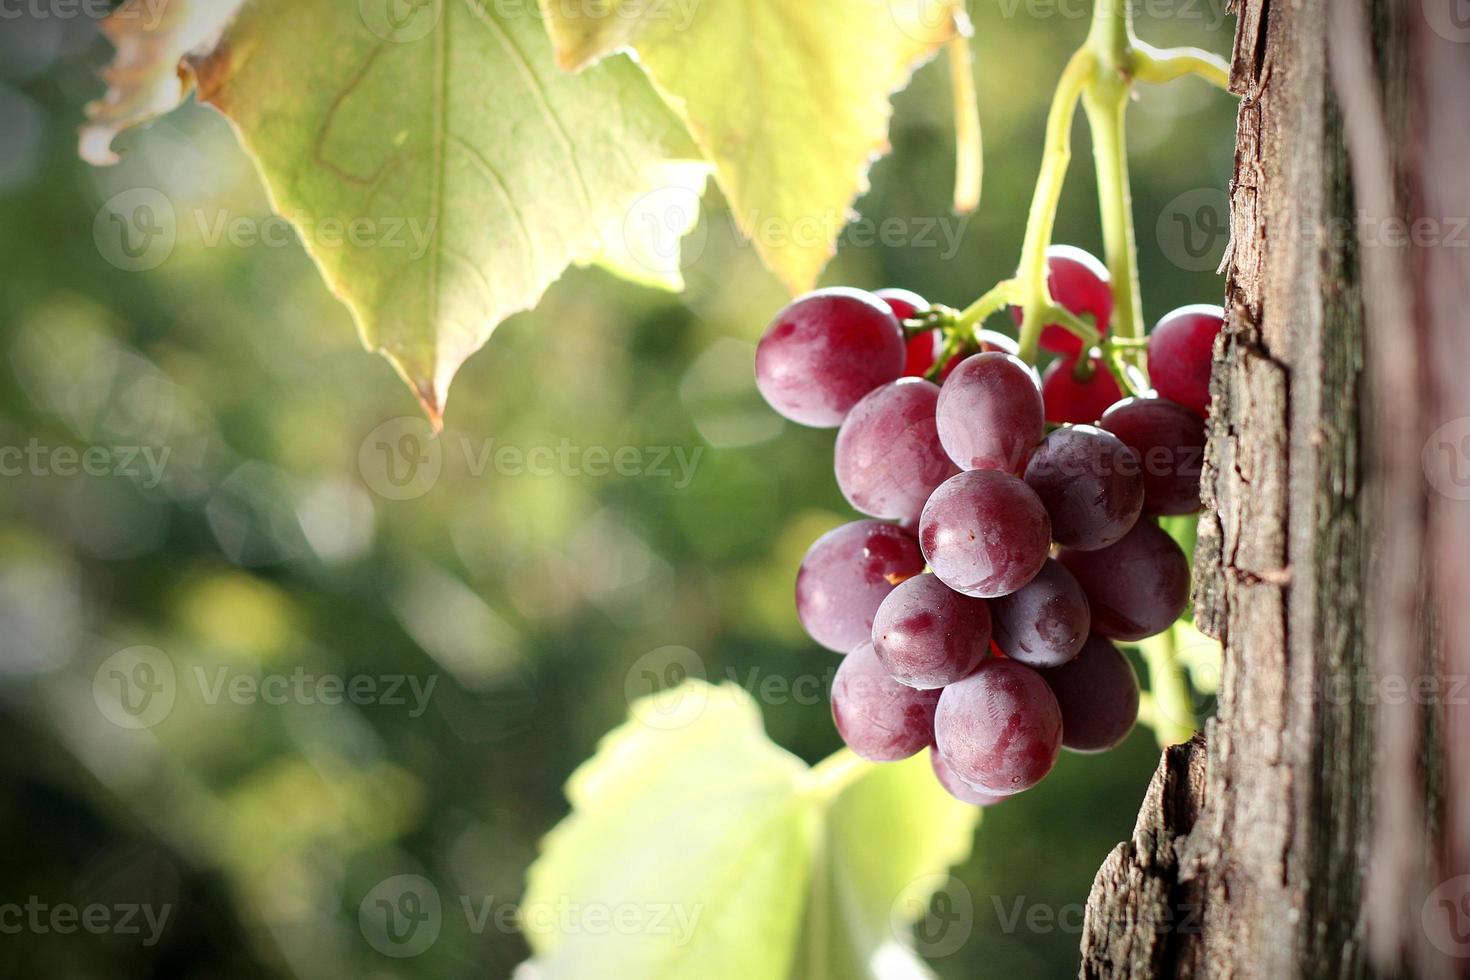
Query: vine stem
{"points": [[1173, 718], [1105, 101], [1036, 301]]}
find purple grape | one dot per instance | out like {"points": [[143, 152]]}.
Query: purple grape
{"points": [[1090, 484], [990, 414], [888, 458], [825, 351], [1098, 695], [985, 533], [958, 788], [927, 635], [999, 729], [1135, 588], [1169, 441], [879, 718], [1045, 623], [847, 574]]}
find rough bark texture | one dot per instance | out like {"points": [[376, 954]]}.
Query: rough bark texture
{"points": [[1271, 848]]}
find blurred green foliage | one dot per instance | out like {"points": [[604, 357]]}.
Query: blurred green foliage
{"points": [[264, 550]]}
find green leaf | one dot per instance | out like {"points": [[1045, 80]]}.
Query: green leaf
{"points": [[788, 100], [726, 857], [440, 170]]}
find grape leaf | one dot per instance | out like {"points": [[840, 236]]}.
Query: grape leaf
{"points": [[726, 857], [440, 170], [789, 101], [143, 80]]}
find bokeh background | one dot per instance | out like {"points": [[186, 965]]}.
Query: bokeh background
{"points": [[268, 543]]}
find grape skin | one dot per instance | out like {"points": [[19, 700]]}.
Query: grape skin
{"points": [[1000, 729], [1070, 401], [985, 533], [927, 635], [1098, 696], [1135, 588], [958, 788], [1169, 441], [1046, 622], [888, 458], [990, 414], [847, 574], [1181, 352], [824, 352], [1090, 484], [879, 718]]}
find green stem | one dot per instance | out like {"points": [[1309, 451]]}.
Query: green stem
{"points": [[1106, 105], [1151, 64], [1035, 297]]}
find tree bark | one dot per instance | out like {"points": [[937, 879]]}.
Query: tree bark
{"points": [[1300, 836]]}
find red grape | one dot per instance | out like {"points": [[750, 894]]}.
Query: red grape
{"points": [[1000, 729], [888, 457], [985, 533], [1079, 283], [990, 415], [1135, 588], [1169, 441], [879, 718], [958, 788], [1098, 694], [1069, 400], [927, 635], [847, 574], [922, 350], [904, 303], [825, 351], [1181, 351], [1090, 484], [1045, 622]]}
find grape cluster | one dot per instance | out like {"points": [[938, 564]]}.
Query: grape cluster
{"points": [[1013, 538]]}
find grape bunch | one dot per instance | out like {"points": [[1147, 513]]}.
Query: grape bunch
{"points": [[1011, 539]]}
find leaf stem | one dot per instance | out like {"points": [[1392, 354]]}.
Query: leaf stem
{"points": [[969, 171]]}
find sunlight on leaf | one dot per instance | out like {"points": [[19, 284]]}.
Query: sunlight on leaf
{"points": [[145, 78], [439, 169], [789, 101], [725, 856]]}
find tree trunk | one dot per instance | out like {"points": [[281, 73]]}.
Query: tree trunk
{"points": [[1301, 835]]}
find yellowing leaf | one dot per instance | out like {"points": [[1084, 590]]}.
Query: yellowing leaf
{"points": [[705, 851], [788, 100], [145, 79], [439, 168]]}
